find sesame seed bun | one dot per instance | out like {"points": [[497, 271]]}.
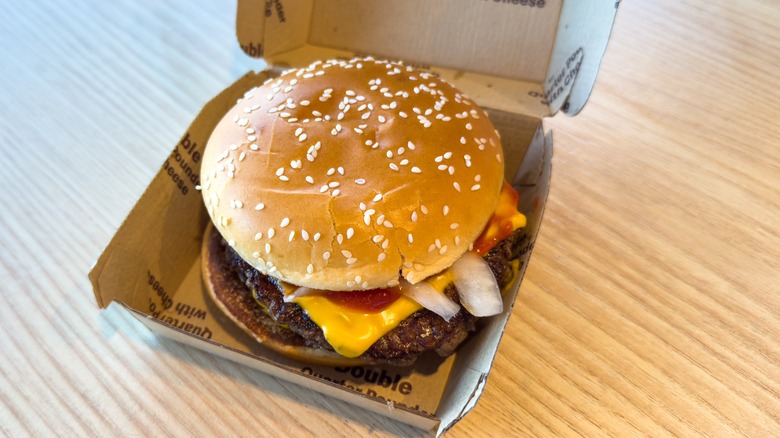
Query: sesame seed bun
{"points": [[343, 174]]}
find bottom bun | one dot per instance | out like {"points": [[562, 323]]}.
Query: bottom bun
{"points": [[236, 301]]}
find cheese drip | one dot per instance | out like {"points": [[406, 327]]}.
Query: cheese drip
{"points": [[352, 332]]}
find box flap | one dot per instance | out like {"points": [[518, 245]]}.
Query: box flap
{"points": [[519, 56]]}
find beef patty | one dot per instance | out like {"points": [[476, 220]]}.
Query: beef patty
{"points": [[422, 331]]}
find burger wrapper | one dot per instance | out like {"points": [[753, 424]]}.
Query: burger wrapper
{"points": [[152, 265]]}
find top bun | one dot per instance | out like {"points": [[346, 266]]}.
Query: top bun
{"points": [[343, 174]]}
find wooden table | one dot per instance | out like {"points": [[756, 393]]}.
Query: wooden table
{"points": [[650, 306]]}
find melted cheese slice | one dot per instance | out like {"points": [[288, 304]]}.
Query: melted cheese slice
{"points": [[351, 332]]}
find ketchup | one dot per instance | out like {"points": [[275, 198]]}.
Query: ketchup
{"points": [[368, 301], [504, 221]]}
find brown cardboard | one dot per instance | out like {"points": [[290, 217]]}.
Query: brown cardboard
{"points": [[151, 267], [530, 57]]}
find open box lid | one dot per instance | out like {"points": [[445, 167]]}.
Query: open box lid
{"points": [[531, 57]]}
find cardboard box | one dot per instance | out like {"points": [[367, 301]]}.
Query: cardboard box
{"points": [[520, 59]]}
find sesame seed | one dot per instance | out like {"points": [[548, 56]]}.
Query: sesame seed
{"points": [[271, 233], [381, 257], [309, 180], [340, 170], [445, 210], [284, 178], [305, 234], [454, 225], [324, 188], [310, 269], [335, 193], [377, 198], [416, 169], [340, 238], [378, 238], [457, 240], [410, 238], [351, 260], [442, 167], [279, 171], [302, 137], [267, 248], [346, 253], [456, 185], [475, 187], [402, 114], [304, 103], [451, 170], [447, 155], [431, 248], [385, 244], [300, 130], [463, 140], [285, 222], [326, 255], [317, 237], [292, 236], [443, 250], [333, 184], [393, 166], [468, 126], [437, 242], [424, 209], [360, 181]]}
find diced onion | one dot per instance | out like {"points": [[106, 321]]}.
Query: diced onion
{"points": [[477, 288], [428, 297], [300, 292]]}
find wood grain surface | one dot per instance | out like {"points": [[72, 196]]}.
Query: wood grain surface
{"points": [[650, 307]]}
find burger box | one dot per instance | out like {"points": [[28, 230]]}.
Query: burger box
{"points": [[521, 60]]}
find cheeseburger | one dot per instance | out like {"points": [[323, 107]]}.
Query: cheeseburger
{"points": [[359, 212]]}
